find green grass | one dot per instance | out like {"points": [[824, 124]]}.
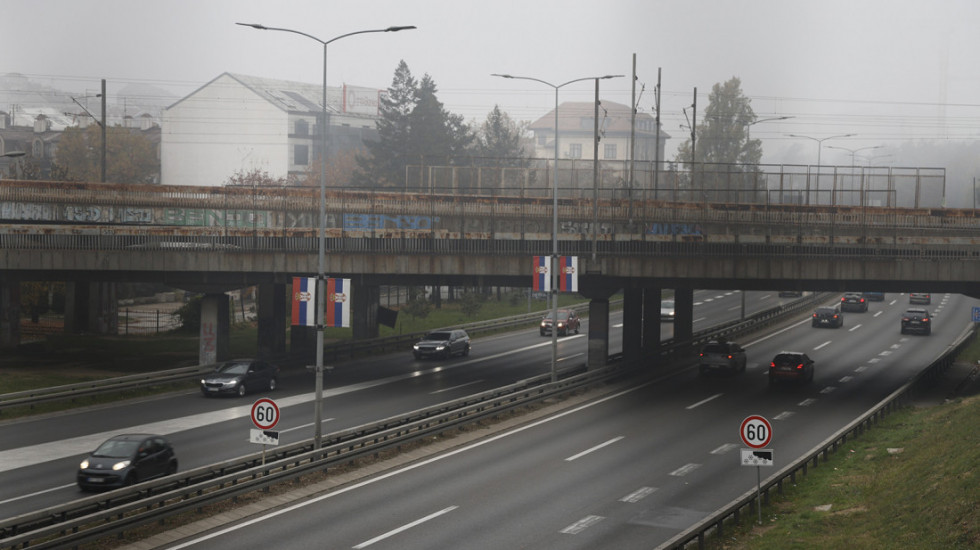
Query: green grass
{"points": [[911, 482]]}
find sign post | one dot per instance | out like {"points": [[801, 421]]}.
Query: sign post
{"points": [[265, 416], [756, 433]]}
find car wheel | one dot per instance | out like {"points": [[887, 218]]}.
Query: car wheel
{"points": [[466, 351], [171, 468], [576, 329], [241, 390], [272, 384], [205, 394], [130, 479], [542, 332], [743, 366]]}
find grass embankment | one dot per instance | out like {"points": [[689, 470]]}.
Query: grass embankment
{"points": [[910, 482]]}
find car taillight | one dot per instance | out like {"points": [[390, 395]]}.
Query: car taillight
{"points": [[835, 316], [729, 356], [862, 300], [814, 315], [772, 365], [799, 367]]}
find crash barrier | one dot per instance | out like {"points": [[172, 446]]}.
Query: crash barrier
{"points": [[115, 511], [741, 507], [333, 352]]}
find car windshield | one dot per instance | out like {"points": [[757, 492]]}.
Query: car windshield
{"points": [[437, 336], [716, 348], [668, 304], [233, 368], [117, 448], [825, 311]]}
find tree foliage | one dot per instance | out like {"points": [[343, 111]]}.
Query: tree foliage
{"points": [[500, 138], [130, 156], [255, 177], [726, 163], [414, 128]]}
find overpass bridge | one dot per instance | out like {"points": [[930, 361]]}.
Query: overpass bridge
{"points": [[789, 229]]}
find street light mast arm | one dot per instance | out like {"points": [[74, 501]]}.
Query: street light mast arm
{"points": [[261, 27]]}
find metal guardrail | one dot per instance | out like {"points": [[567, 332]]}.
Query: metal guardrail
{"points": [[733, 511], [333, 352], [115, 511], [112, 512]]}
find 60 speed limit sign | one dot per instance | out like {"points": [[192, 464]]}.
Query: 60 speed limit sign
{"points": [[265, 414], [756, 432]]}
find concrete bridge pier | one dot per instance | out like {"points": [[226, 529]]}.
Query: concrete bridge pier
{"points": [[683, 315], [651, 321], [91, 307], [598, 296], [9, 313], [364, 310], [272, 319], [214, 344], [633, 323]]}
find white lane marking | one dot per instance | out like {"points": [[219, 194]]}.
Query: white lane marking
{"points": [[685, 469], [828, 389], [596, 448], [582, 525], [36, 493], [846, 379], [885, 353], [855, 327], [405, 527], [699, 319], [874, 360], [783, 415], [877, 313], [724, 449], [381, 477], [456, 387], [703, 401], [638, 495], [77, 446], [860, 369], [807, 402], [822, 345]]}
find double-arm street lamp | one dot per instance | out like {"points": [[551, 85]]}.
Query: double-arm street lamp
{"points": [[321, 260], [820, 143], [554, 221], [854, 151], [748, 127]]}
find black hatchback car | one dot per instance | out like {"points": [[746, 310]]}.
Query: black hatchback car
{"points": [[916, 319], [828, 317], [854, 301], [240, 376], [791, 365], [125, 460]]}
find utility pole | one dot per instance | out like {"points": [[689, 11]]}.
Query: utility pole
{"points": [[103, 131], [656, 153], [694, 141], [595, 177], [632, 129]]}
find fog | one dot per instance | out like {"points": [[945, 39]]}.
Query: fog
{"points": [[900, 74]]}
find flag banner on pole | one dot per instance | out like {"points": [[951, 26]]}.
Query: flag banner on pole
{"points": [[304, 301], [541, 276], [568, 273], [338, 303]]}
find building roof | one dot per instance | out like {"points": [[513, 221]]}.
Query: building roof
{"points": [[615, 118], [291, 96]]}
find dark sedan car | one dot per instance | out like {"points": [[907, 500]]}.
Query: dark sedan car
{"points": [[828, 317], [791, 365], [125, 460], [443, 343], [723, 356], [916, 319], [854, 301], [240, 376]]}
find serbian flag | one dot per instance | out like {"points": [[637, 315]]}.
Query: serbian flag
{"points": [[304, 301], [338, 303], [568, 273], [541, 276]]}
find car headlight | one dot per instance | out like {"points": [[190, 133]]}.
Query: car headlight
{"points": [[203, 381], [120, 465], [440, 347], [84, 464]]}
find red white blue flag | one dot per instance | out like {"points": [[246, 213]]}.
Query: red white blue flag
{"points": [[304, 301], [568, 273], [338, 303], [541, 274]]}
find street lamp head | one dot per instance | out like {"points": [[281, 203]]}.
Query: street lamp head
{"points": [[501, 75], [402, 28], [254, 26], [610, 76]]}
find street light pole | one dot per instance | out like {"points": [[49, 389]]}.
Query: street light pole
{"points": [[820, 144], [554, 220], [322, 237]]}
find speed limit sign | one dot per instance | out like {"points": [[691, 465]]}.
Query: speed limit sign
{"points": [[265, 414], [756, 432]]}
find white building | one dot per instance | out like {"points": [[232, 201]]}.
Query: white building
{"points": [[239, 124], [576, 125]]}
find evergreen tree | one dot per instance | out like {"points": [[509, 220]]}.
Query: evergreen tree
{"points": [[414, 128], [500, 139]]}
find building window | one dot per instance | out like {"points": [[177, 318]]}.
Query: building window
{"points": [[609, 151], [575, 150], [302, 128], [301, 155]]}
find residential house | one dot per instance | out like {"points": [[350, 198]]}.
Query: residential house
{"points": [[237, 124]]}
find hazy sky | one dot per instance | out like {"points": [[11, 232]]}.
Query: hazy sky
{"points": [[887, 70]]}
